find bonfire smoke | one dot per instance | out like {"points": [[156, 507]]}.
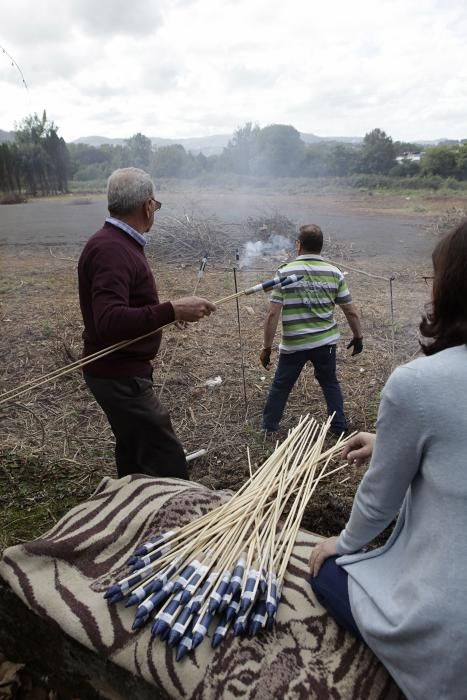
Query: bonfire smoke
{"points": [[275, 246]]}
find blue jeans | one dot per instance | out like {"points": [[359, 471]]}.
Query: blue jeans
{"points": [[288, 371], [332, 590]]}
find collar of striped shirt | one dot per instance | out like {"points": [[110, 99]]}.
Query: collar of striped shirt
{"points": [[309, 256], [128, 229]]}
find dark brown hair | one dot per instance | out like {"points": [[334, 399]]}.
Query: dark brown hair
{"points": [[311, 238], [446, 321]]}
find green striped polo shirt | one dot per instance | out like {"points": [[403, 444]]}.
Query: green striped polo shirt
{"points": [[308, 305]]}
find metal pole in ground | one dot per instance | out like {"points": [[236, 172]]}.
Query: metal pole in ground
{"points": [[391, 280], [237, 258]]}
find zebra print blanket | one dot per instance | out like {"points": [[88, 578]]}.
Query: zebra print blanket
{"points": [[61, 576]]}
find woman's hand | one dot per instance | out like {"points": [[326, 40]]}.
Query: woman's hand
{"points": [[359, 448], [321, 552]]}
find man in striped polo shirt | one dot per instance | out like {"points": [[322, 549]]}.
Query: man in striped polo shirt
{"points": [[309, 329]]}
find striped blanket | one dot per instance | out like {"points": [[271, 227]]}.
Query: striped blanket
{"points": [[62, 575]]}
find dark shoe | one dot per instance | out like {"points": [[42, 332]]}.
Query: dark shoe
{"points": [[278, 434], [338, 432]]}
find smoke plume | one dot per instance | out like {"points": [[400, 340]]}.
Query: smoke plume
{"points": [[276, 249]]}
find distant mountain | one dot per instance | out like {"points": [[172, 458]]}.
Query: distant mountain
{"points": [[6, 136], [97, 141], [342, 139], [213, 145], [208, 145], [312, 138]]}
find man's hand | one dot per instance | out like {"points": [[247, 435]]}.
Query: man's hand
{"points": [[321, 552], [359, 448], [265, 358], [356, 344], [192, 308]]}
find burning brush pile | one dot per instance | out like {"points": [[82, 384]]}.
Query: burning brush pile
{"points": [[274, 225], [189, 238], [225, 570], [272, 241]]}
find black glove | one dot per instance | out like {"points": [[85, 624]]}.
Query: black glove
{"points": [[265, 358], [356, 344]]}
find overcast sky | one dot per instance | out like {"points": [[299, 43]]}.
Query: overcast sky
{"points": [[182, 68]]}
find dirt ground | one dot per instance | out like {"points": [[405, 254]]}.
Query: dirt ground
{"points": [[56, 444], [370, 224]]}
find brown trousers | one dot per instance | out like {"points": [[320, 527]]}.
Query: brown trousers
{"points": [[145, 440]]}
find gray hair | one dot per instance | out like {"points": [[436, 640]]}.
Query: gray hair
{"points": [[128, 189]]}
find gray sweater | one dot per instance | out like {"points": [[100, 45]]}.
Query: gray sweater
{"points": [[409, 598]]}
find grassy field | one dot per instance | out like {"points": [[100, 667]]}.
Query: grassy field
{"points": [[56, 444], [419, 187]]}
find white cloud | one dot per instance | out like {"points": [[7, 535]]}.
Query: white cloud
{"points": [[117, 17], [192, 67]]}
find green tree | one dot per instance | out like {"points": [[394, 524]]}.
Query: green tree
{"points": [[42, 156], [461, 162], [281, 151], [170, 161], [59, 159], [405, 168], [403, 148], [10, 180], [140, 151], [440, 160], [90, 163], [378, 153], [316, 162], [242, 149], [343, 160], [119, 156]]}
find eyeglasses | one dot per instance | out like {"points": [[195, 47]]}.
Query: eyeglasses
{"points": [[157, 205], [427, 277]]}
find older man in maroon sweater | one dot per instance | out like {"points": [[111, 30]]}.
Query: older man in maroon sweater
{"points": [[119, 300]]}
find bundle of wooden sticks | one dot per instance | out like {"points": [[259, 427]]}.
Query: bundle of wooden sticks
{"points": [[230, 563]]}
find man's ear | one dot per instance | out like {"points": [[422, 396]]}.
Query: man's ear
{"points": [[147, 208]]}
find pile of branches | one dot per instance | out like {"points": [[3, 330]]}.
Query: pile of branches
{"points": [[188, 239], [274, 224], [266, 227]]}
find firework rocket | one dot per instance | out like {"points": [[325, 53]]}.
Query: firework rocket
{"points": [[214, 572], [278, 281]]}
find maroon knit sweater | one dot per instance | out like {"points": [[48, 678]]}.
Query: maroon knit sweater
{"points": [[119, 301]]}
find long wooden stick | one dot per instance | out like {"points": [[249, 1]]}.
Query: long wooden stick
{"points": [[62, 371], [259, 525]]}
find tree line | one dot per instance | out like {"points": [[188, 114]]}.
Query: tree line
{"points": [[275, 151], [40, 162], [37, 162]]}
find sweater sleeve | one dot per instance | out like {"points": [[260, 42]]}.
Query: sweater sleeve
{"points": [[397, 456], [114, 319]]}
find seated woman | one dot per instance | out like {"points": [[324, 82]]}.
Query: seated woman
{"points": [[408, 599]]}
